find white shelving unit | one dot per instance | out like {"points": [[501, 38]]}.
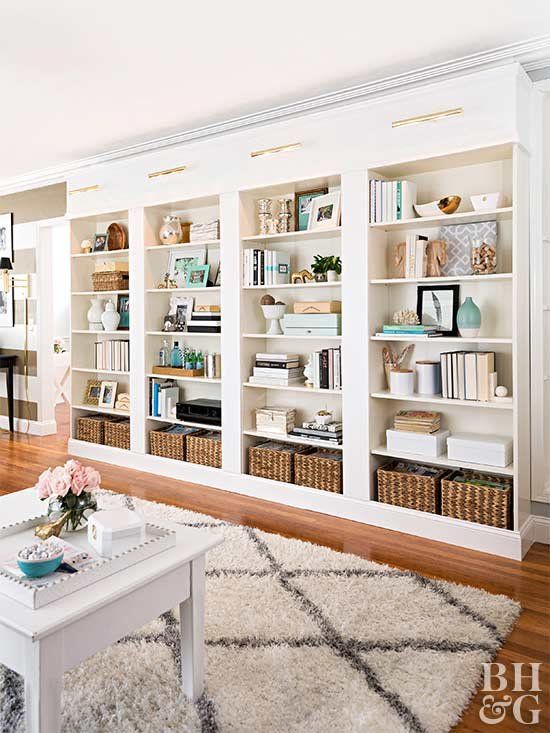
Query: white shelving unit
{"points": [[485, 150]]}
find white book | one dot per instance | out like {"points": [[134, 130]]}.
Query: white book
{"points": [[408, 199], [394, 201], [277, 373], [317, 369], [421, 263], [378, 200], [337, 369], [281, 268], [372, 200], [267, 267], [461, 375], [276, 382], [443, 365], [276, 357]]}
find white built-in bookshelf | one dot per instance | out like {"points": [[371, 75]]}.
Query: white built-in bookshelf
{"points": [[369, 296]]}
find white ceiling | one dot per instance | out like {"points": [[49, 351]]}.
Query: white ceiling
{"points": [[82, 78]]}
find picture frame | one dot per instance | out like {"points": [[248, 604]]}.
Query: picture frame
{"points": [[123, 308], [197, 276], [181, 260], [7, 309], [6, 236], [107, 395], [437, 305], [92, 392], [325, 211], [302, 206], [101, 242], [218, 278]]}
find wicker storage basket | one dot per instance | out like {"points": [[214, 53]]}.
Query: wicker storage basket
{"points": [[480, 504], [170, 445], [91, 428], [409, 489], [117, 433], [320, 469], [273, 460], [205, 448], [110, 281]]}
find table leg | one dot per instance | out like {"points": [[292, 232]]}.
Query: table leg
{"points": [[9, 391], [43, 686], [192, 633]]}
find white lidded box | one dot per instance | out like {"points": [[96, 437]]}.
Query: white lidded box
{"points": [[112, 531], [492, 450], [275, 419], [429, 445]]}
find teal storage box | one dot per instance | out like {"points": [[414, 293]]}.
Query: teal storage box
{"points": [[312, 324]]}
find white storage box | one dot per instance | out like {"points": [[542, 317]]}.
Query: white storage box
{"points": [[113, 531], [492, 450], [429, 445], [316, 324], [278, 420]]}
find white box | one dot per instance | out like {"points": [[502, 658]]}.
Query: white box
{"points": [[492, 450], [488, 201], [429, 445], [112, 531]]}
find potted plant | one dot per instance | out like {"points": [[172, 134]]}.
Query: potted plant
{"points": [[327, 268]]}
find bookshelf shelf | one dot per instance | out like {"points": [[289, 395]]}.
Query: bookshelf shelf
{"points": [[100, 293], [295, 286], [168, 247], [438, 400], [204, 380], [173, 421], [443, 461], [102, 333], [182, 334], [195, 291], [292, 439], [462, 217], [99, 371], [103, 255], [444, 339], [304, 390], [448, 279], [298, 236], [287, 337], [104, 410]]}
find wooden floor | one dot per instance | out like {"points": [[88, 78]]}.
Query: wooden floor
{"points": [[23, 457]]}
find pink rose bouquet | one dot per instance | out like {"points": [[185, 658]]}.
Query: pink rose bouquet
{"points": [[69, 491]]}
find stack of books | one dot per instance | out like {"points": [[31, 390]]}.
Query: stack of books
{"points": [[417, 421], [391, 200], [327, 369], [265, 267], [468, 375], [330, 433], [164, 397], [419, 331], [204, 232], [112, 356], [416, 261], [205, 321], [279, 370]]}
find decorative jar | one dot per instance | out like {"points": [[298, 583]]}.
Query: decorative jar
{"points": [[94, 315], [110, 318], [171, 231]]}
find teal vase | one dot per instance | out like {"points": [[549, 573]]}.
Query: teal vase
{"points": [[468, 319]]}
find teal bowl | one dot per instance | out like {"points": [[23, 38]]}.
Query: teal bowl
{"points": [[39, 568]]}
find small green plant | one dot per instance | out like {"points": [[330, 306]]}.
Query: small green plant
{"points": [[322, 265]]}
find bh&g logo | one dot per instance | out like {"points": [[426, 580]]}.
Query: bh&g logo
{"points": [[524, 707]]}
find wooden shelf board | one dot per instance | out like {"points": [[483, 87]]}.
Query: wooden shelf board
{"points": [[290, 286], [108, 253], [214, 289], [438, 400], [106, 410], [462, 217], [101, 293], [292, 439], [306, 234], [286, 337], [102, 333], [167, 247], [443, 461], [443, 339], [173, 421], [183, 379], [99, 371], [308, 390], [442, 279]]}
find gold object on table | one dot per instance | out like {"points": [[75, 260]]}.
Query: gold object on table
{"points": [[51, 529], [301, 277]]}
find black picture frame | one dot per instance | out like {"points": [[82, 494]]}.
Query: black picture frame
{"points": [[424, 290], [101, 242], [6, 236], [7, 309]]}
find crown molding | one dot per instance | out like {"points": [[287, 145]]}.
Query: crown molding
{"points": [[528, 53]]}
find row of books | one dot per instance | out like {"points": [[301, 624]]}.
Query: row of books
{"points": [[279, 370], [201, 322], [164, 397], [327, 369], [204, 232], [409, 330], [417, 421], [265, 267], [113, 355], [468, 375], [416, 261], [391, 200], [331, 433]]}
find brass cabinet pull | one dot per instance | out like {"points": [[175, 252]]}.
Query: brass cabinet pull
{"points": [[167, 172], [428, 118], [84, 189], [279, 149]]}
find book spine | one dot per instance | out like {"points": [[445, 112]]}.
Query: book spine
{"points": [[324, 369], [399, 194]]}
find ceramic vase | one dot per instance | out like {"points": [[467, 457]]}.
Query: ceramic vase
{"points": [[274, 313], [171, 231], [332, 276], [468, 319], [94, 315], [110, 318]]}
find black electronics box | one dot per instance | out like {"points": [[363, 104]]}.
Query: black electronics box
{"points": [[207, 412]]}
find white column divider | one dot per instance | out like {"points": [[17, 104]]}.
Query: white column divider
{"points": [[230, 299], [355, 341], [138, 398]]}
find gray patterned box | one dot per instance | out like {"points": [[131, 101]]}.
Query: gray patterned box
{"points": [[459, 239]]}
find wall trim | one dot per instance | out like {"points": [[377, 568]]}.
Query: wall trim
{"points": [[524, 52], [48, 427]]}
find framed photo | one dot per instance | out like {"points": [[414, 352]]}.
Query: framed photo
{"points": [[100, 242], [107, 394], [124, 312], [7, 309], [218, 278], [197, 276], [6, 236], [93, 390], [437, 305], [302, 207], [325, 211], [181, 260]]}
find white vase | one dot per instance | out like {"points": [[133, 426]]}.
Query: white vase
{"points": [[274, 313], [94, 315], [332, 276], [110, 318]]}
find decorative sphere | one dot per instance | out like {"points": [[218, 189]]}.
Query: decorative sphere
{"points": [[501, 391], [267, 300]]}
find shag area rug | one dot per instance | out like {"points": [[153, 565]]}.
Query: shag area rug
{"points": [[299, 638]]}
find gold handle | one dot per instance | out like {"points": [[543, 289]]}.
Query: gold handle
{"points": [[279, 149], [167, 172], [428, 118], [84, 189]]}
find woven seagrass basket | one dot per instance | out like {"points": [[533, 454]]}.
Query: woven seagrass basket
{"points": [[205, 449], [319, 470], [409, 490], [480, 504]]}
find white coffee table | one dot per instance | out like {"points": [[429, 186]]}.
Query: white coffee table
{"points": [[43, 644]]}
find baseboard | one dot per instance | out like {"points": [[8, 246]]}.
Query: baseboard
{"points": [[542, 529], [32, 427]]}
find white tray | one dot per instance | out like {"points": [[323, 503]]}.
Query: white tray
{"points": [[16, 536]]}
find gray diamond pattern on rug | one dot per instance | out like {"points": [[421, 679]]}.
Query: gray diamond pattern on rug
{"points": [[298, 638]]}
